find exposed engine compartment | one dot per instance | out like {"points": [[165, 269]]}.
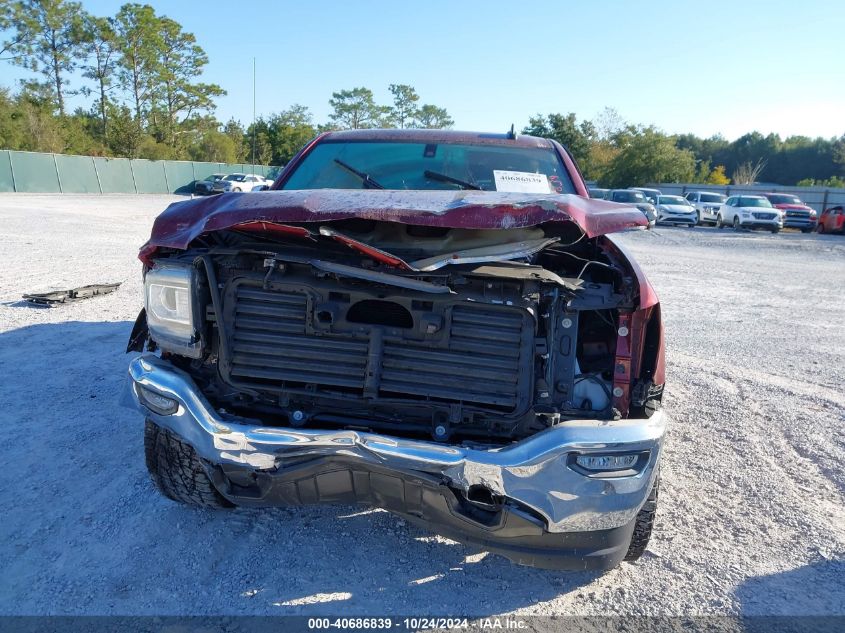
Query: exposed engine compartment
{"points": [[428, 332]]}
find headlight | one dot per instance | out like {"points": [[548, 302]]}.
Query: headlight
{"points": [[170, 309]]}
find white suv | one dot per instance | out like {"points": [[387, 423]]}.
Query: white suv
{"points": [[706, 205], [749, 212], [243, 182]]}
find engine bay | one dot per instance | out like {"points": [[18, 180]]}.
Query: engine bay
{"points": [[427, 332]]}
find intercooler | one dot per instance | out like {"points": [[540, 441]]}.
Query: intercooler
{"points": [[280, 340]]}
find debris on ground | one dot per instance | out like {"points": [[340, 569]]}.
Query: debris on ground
{"points": [[66, 296]]}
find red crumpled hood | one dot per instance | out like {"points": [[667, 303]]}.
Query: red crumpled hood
{"points": [[182, 222]]}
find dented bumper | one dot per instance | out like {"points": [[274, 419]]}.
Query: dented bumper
{"points": [[536, 472]]}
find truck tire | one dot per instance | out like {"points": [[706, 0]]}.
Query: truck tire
{"points": [[176, 469], [644, 525]]}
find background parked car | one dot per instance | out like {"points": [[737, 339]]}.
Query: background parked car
{"points": [[206, 185], [749, 212], [243, 182], [706, 204], [636, 198], [796, 214], [596, 192], [650, 194], [675, 210], [832, 220]]}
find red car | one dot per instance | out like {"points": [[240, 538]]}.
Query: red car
{"points": [[796, 214], [832, 220], [432, 322]]}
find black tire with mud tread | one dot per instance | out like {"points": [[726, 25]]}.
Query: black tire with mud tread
{"points": [[644, 526], [176, 470]]}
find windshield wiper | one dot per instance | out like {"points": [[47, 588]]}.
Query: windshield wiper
{"points": [[369, 183], [463, 184]]}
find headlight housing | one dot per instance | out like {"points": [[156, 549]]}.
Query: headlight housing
{"points": [[169, 291]]}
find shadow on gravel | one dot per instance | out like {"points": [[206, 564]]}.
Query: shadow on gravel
{"points": [[88, 534], [817, 589], [22, 303]]}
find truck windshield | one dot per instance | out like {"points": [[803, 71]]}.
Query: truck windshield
{"points": [[449, 166]]}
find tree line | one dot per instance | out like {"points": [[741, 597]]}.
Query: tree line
{"points": [[139, 72], [615, 153]]}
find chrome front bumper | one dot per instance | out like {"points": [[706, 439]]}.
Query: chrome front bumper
{"points": [[534, 472]]}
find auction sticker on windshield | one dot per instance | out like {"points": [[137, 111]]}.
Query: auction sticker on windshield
{"points": [[521, 182]]}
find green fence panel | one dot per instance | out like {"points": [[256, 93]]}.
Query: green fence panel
{"points": [[35, 172], [150, 176], [48, 173], [77, 174], [204, 170], [180, 176], [7, 181], [115, 175]]}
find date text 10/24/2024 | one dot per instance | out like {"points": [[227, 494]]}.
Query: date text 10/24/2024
{"points": [[416, 623]]}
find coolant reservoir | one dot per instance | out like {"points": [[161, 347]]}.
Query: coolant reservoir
{"points": [[590, 391]]}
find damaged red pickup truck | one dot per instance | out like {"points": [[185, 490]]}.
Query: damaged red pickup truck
{"points": [[431, 322]]}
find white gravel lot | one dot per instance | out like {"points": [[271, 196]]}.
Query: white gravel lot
{"points": [[751, 518]]}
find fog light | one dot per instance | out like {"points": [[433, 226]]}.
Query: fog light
{"points": [[157, 402], [606, 462]]}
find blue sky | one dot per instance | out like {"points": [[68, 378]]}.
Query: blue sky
{"points": [[705, 67]]}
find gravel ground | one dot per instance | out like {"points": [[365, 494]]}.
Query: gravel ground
{"points": [[751, 518]]}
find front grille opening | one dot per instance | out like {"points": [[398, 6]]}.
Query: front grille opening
{"points": [[375, 312]]}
